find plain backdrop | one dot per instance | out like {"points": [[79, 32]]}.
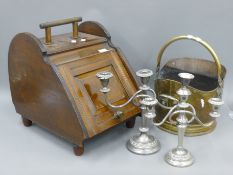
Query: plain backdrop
{"points": [[139, 28]]}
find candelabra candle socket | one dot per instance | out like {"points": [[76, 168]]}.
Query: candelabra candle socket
{"points": [[184, 92], [216, 104], [144, 75], [186, 78], [149, 105], [104, 79]]}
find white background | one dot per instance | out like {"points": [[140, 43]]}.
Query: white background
{"points": [[139, 28]]}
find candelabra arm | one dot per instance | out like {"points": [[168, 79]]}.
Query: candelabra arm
{"points": [[193, 113], [139, 96], [200, 122], [153, 92], [122, 105], [165, 118], [169, 97], [194, 116], [193, 109], [179, 112], [163, 106]]}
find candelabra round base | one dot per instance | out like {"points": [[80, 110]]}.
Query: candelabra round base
{"points": [[179, 157], [143, 144]]}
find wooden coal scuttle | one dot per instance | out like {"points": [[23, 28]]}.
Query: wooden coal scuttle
{"points": [[53, 81]]}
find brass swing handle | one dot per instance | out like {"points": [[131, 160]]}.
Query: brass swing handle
{"points": [[199, 40], [47, 26]]}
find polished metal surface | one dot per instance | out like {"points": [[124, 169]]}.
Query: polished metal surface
{"points": [[198, 40], [186, 78], [216, 104], [202, 89], [144, 143], [179, 156], [104, 79], [144, 75]]}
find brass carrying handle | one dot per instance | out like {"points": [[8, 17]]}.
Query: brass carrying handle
{"points": [[200, 41], [47, 26]]}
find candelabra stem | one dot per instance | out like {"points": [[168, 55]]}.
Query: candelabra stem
{"points": [[144, 125], [143, 143], [181, 131], [179, 156]]}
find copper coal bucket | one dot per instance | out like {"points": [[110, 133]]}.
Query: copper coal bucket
{"points": [[208, 83]]}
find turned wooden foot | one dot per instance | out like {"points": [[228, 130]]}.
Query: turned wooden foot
{"points": [[26, 122], [78, 151], [130, 123]]}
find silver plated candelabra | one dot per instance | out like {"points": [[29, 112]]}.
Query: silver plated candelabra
{"points": [[145, 99], [181, 114]]}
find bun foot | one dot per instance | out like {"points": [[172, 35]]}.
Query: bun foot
{"points": [[130, 123], [26, 122], [78, 151]]}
